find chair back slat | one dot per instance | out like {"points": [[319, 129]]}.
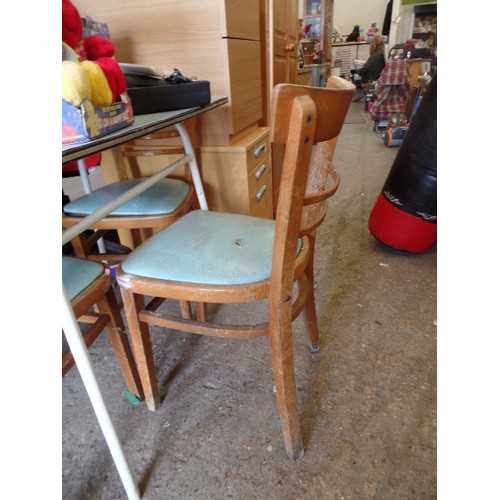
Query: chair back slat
{"points": [[331, 111], [332, 104]]}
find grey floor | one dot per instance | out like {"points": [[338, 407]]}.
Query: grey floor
{"points": [[367, 400]]}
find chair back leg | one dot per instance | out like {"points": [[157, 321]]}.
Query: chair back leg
{"points": [[309, 311]]}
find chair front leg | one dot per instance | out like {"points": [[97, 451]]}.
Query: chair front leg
{"points": [[141, 344], [119, 340], [80, 247]]}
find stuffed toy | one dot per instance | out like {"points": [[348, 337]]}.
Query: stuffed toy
{"points": [[85, 80], [95, 74], [75, 83]]}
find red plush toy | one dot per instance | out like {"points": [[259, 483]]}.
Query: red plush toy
{"points": [[97, 49]]}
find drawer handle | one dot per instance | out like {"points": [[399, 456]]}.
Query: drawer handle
{"points": [[260, 192], [259, 150], [260, 171]]}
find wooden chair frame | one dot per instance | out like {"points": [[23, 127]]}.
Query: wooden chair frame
{"points": [[97, 306], [301, 117]]}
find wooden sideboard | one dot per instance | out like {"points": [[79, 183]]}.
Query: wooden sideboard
{"points": [[304, 76]]}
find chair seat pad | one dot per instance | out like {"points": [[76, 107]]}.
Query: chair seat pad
{"points": [[78, 274], [161, 198], [207, 248]]}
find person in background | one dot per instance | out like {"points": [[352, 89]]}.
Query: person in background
{"points": [[371, 69]]}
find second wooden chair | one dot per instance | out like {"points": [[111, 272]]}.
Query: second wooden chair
{"points": [[154, 209]]}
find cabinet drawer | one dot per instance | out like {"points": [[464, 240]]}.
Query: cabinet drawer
{"points": [[238, 178], [259, 175], [261, 201], [260, 187], [257, 152]]}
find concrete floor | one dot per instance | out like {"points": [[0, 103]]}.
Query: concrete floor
{"points": [[367, 400]]}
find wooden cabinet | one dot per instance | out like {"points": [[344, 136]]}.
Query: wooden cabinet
{"points": [[237, 178], [318, 14], [214, 40]]}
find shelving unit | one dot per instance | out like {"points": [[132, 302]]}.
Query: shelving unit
{"points": [[318, 14]]}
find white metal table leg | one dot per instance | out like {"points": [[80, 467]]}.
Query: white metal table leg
{"points": [[84, 364], [193, 165], [84, 176]]}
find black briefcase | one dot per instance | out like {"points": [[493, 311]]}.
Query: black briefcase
{"points": [[149, 92]]}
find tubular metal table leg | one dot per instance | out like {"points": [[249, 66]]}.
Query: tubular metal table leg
{"points": [[84, 364], [193, 165]]}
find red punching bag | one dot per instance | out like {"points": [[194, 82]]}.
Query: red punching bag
{"points": [[405, 214]]}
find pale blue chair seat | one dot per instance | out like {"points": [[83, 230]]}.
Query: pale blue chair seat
{"points": [[209, 248], [164, 197], [79, 274]]}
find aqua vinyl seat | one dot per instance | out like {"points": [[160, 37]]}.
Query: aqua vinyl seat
{"points": [[201, 237]]}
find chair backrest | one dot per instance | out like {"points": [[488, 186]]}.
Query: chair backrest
{"points": [[300, 117], [332, 107], [324, 179]]}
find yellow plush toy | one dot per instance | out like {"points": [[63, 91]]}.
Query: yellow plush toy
{"points": [[75, 83], [85, 80], [100, 91]]}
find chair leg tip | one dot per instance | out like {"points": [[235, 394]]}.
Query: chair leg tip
{"points": [[152, 404], [294, 448], [132, 398], [314, 347], [295, 454]]}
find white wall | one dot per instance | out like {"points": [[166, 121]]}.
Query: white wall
{"points": [[348, 13]]}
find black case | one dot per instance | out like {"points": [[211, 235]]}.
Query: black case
{"points": [[169, 97]]}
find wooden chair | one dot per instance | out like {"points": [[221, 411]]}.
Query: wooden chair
{"points": [[322, 184], [154, 209], [88, 284], [211, 257]]}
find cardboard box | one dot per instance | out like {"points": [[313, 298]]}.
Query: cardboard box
{"points": [[89, 121]]}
